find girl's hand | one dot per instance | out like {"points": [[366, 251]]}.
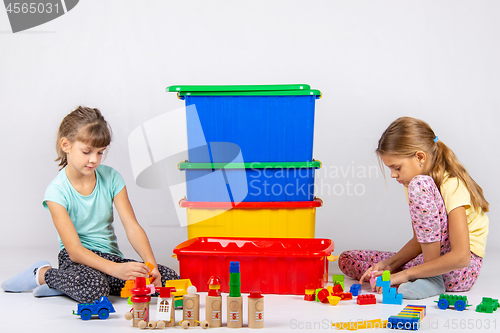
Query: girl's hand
{"points": [[398, 278], [374, 271], [130, 270], [156, 274]]}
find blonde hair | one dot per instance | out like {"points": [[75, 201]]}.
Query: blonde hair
{"points": [[86, 125], [405, 136]]}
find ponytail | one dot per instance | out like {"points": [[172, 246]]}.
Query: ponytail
{"points": [[446, 160]]}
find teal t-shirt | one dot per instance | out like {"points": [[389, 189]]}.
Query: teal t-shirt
{"points": [[91, 215]]}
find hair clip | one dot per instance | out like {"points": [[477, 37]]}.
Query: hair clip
{"points": [[436, 139]]}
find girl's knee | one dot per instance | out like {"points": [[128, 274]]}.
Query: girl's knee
{"points": [[345, 257], [167, 273]]}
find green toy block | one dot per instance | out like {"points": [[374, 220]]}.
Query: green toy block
{"points": [[386, 276], [316, 294], [338, 279], [488, 305]]}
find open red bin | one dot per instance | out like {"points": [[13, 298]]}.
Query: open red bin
{"points": [[271, 265]]}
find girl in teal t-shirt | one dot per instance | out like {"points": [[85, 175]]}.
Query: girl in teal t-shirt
{"points": [[80, 200]]}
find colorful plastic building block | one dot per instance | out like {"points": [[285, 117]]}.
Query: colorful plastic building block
{"points": [[101, 308], [366, 299], [322, 295], [459, 302], [234, 299], [255, 310], [389, 294], [310, 293], [338, 279], [180, 289], [355, 289], [488, 305], [150, 266], [333, 300], [335, 289], [408, 319], [344, 296], [126, 290]]}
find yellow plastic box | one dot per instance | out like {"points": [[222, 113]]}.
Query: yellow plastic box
{"points": [[288, 219]]}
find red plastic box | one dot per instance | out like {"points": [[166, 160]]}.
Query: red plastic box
{"points": [[271, 265]]}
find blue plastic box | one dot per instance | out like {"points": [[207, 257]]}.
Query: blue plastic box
{"points": [[265, 123], [250, 182]]}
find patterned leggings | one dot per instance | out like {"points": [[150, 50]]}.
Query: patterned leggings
{"points": [[355, 263], [85, 284]]}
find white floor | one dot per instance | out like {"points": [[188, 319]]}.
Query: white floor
{"points": [[22, 312]]}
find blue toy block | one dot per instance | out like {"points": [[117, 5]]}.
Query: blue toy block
{"points": [[389, 295], [398, 299], [355, 289], [403, 323], [384, 284]]}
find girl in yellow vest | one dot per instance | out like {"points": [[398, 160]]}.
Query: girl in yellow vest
{"points": [[448, 213]]}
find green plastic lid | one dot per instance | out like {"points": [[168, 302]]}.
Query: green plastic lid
{"points": [[249, 165], [244, 90]]}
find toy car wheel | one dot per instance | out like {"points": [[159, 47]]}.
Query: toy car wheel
{"points": [[160, 324], [204, 324], [185, 324], [443, 304], [103, 314], [85, 314], [460, 305]]}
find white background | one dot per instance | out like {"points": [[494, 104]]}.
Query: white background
{"points": [[373, 61]]}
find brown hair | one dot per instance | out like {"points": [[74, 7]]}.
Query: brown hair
{"points": [[86, 125], [406, 135]]}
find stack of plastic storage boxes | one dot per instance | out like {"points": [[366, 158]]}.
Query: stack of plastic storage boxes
{"points": [[250, 187]]}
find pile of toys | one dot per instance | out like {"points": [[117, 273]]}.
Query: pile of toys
{"points": [[334, 294], [460, 302], [165, 314]]}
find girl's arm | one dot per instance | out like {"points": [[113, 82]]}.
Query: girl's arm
{"points": [[81, 255], [135, 234], [435, 264]]}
